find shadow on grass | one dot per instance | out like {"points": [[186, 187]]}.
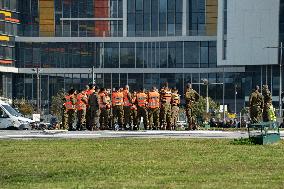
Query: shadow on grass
{"points": [[242, 141]]}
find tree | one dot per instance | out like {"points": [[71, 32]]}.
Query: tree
{"points": [[23, 106], [199, 108], [56, 104]]}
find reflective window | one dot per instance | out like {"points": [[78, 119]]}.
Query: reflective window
{"points": [[191, 54]]}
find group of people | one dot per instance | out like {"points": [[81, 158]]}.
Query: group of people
{"points": [[103, 109], [260, 105]]}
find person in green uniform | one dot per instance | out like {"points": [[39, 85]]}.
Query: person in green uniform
{"points": [[256, 104]]}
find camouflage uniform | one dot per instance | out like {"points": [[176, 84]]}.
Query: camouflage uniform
{"points": [[165, 110], [64, 117], [154, 109], [191, 96], [105, 111], [267, 103], [94, 111], [175, 109], [127, 108], [81, 111], [256, 103], [117, 110], [141, 102], [71, 114]]}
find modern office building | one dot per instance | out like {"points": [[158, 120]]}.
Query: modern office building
{"points": [[141, 43]]}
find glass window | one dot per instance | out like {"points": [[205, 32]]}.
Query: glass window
{"points": [[139, 5], [111, 55], [139, 55], [127, 55], [191, 54], [163, 5]]}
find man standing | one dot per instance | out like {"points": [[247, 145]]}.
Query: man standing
{"points": [[134, 112], [191, 96], [70, 107], [256, 103], [127, 107], [117, 110], [89, 90], [64, 115], [154, 109], [81, 105], [141, 102], [175, 101], [105, 105], [166, 96], [94, 111]]}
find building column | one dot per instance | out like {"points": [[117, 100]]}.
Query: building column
{"points": [[124, 5], [185, 17]]}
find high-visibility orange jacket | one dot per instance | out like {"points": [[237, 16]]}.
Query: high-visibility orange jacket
{"points": [[104, 100], [126, 96], [154, 100], [81, 101], [69, 105], [175, 99], [166, 96], [117, 98], [142, 99]]}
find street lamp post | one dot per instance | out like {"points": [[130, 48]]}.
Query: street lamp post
{"points": [[37, 71], [236, 99], [92, 70], [280, 75]]}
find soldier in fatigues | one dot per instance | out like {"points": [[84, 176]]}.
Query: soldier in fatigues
{"points": [[117, 110], [81, 105], [127, 107], [256, 103], [89, 90], [191, 96], [141, 102], [175, 101], [134, 112], [64, 115], [105, 106], [94, 111], [267, 104], [165, 110], [154, 109], [70, 107]]}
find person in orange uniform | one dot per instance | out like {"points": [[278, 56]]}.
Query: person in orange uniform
{"points": [[165, 111], [127, 99], [134, 112], [105, 106], [141, 102], [154, 108], [175, 102], [70, 108], [117, 108], [81, 105]]}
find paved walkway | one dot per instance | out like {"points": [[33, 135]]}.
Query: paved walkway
{"points": [[57, 134]]}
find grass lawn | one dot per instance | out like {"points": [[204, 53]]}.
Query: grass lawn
{"points": [[139, 163]]}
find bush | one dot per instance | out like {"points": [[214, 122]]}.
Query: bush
{"points": [[56, 104], [23, 106]]}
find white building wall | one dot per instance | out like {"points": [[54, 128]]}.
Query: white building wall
{"points": [[252, 25]]}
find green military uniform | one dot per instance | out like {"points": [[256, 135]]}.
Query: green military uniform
{"points": [[191, 96], [267, 103], [71, 113], [127, 108], [81, 111], [94, 111], [141, 102], [117, 110], [256, 103], [105, 111], [154, 109], [64, 116], [165, 110], [175, 110]]}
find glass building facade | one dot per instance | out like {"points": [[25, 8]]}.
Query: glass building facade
{"points": [[136, 42]]}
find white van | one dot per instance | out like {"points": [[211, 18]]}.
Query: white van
{"points": [[10, 118]]}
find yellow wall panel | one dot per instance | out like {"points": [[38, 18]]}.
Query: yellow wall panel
{"points": [[46, 18], [211, 17]]}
